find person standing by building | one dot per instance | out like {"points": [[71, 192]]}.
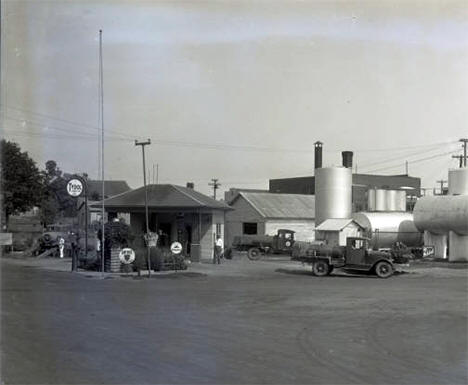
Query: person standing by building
{"points": [[218, 250]]}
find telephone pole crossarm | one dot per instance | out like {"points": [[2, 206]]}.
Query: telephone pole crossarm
{"points": [[464, 141], [214, 183], [460, 158]]}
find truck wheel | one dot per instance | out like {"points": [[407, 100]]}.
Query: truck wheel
{"points": [[321, 268], [383, 269], [254, 254]]}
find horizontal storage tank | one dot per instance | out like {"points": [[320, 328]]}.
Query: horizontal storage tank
{"points": [[440, 214], [389, 227], [332, 193], [458, 181]]}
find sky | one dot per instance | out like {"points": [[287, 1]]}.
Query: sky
{"points": [[237, 90]]}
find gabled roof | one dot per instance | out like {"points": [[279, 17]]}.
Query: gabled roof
{"points": [[279, 206], [163, 196], [335, 224], [111, 187]]}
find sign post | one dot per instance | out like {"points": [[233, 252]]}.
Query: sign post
{"points": [[75, 188]]}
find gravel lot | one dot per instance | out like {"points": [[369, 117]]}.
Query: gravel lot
{"points": [[265, 322]]}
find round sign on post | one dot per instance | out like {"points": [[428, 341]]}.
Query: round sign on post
{"points": [[127, 256], [176, 248], [74, 187]]}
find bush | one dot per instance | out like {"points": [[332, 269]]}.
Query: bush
{"points": [[161, 259]]}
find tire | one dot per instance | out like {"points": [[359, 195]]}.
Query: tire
{"points": [[383, 269], [321, 268], [254, 254]]}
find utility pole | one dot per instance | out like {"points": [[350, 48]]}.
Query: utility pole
{"points": [[441, 186], [143, 144], [215, 186], [464, 141], [406, 165], [460, 158]]}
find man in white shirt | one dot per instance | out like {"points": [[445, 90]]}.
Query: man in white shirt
{"points": [[218, 250]]}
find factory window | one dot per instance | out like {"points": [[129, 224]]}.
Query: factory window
{"points": [[249, 228]]}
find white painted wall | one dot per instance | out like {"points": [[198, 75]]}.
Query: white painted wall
{"points": [[304, 228], [349, 231]]}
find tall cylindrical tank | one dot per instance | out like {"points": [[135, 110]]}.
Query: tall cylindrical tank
{"points": [[458, 181], [389, 227], [332, 193], [371, 199], [380, 200], [440, 214], [391, 200], [401, 200]]}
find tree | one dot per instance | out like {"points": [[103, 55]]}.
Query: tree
{"points": [[56, 200], [22, 182]]}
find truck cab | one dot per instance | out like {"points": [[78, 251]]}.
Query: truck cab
{"points": [[283, 240], [360, 256]]}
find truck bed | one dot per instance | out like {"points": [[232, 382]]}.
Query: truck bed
{"points": [[252, 240]]}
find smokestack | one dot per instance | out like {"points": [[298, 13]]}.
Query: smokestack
{"points": [[347, 159], [191, 185], [318, 155]]}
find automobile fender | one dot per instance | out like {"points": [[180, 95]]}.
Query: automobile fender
{"points": [[380, 260]]}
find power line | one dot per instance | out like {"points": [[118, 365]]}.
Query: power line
{"points": [[415, 161], [399, 157], [70, 122], [219, 145], [62, 129]]}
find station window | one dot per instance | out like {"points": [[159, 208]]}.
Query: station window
{"points": [[218, 229], [249, 228]]}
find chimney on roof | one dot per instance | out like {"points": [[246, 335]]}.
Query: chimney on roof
{"points": [[191, 185], [347, 159], [318, 154]]}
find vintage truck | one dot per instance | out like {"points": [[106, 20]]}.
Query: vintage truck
{"points": [[355, 256], [256, 245]]}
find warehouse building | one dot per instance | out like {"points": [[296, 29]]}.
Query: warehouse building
{"points": [[264, 213], [361, 183]]}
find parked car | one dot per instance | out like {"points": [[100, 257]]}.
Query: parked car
{"points": [[50, 238]]}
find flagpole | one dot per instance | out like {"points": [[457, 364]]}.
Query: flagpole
{"points": [[101, 86]]}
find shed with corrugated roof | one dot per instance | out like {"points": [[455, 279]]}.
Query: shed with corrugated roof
{"points": [[335, 231], [263, 213]]}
